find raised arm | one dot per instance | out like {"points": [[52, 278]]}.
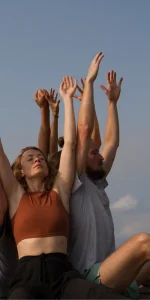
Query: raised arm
{"points": [[86, 115], [12, 188], [66, 174], [96, 137], [40, 98], [54, 105], [111, 140]]}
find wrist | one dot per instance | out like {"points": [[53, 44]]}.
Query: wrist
{"points": [[55, 115], [112, 102], [89, 80], [67, 98], [44, 107]]}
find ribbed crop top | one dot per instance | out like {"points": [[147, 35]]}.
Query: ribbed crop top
{"points": [[40, 215]]}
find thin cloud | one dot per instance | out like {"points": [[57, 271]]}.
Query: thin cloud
{"points": [[125, 203], [135, 224]]}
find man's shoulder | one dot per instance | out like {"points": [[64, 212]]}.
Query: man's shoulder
{"points": [[80, 182], [100, 183], [103, 182]]}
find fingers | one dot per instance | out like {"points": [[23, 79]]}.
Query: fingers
{"points": [[62, 85], [56, 97], [36, 95], [45, 92], [114, 77], [76, 96], [97, 56], [51, 92], [70, 81], [108, 78], [82, 82], [75, 83], [100, 58], [66, 81], [120, 82], [111, 76], [79, 89], [104, 89]]}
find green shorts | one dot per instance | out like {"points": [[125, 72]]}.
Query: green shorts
{"points": [[92, 275]]}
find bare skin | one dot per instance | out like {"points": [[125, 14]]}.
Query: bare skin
{"points": [[40, 97], [53, 102], [36, 246], [95, 136], [34, 169], [86, 115], [131, 260], [124, 265], [48, 137]]}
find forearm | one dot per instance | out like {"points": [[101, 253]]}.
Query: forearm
{"points": [[112, 127], [6, 175], [44, 133], [96, 137], [86, 111], [54, 135], [69, 122]]}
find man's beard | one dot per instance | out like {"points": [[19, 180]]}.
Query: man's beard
{"points": [[95, 174]]}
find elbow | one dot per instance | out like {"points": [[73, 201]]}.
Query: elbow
{"points": [[70, 145], [85, 131], [117, 144]]}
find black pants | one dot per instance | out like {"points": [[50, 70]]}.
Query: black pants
{"points": [[51, 276]]}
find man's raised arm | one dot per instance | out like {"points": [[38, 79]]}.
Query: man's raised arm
{"points": [[95, 136], [111, 140], [86, 115]]}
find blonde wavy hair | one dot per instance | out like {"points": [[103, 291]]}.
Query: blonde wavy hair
{"points": [[48, 181]]}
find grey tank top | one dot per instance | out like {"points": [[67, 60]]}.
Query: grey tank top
{"points": [[92, 231]]}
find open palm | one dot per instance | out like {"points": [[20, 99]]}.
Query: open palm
{"points": [[68, 86], [53, 101], [113, 88]]}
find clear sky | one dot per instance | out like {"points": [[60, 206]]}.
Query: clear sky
{"points": [[40, 42]]}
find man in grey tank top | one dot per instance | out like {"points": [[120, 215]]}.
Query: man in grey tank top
{"points": [[92, 230], [92, 243]]}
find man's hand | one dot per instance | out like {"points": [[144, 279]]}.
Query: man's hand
{"points": [[40, 97], [53, 101], [68, 87], [94, 67], [113, 89], [80, 90]]}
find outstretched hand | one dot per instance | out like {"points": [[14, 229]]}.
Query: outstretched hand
{"points": [[68, 86], [53, 101], [94, 67], [113, 88], [40, 97], [79, 97]]}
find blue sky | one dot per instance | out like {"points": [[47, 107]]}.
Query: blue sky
{"points": [[40, 42]]}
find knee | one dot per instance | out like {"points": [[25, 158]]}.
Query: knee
{"points": [[143, 244]]}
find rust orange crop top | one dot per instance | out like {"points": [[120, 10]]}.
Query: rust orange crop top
{"points": [[40, 215]]}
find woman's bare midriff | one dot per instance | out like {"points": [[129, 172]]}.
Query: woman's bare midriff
{"points": [[37, 246]]}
